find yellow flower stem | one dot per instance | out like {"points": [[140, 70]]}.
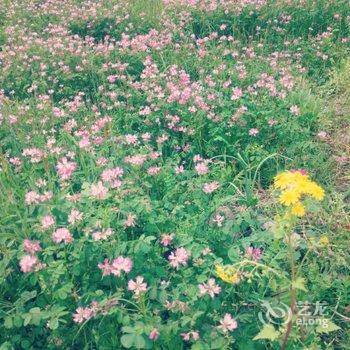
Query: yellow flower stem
{"points": [[293, 296], [313, 246], [257, 264]]}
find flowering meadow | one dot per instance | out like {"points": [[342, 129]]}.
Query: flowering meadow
{"points": [[174, 174]]}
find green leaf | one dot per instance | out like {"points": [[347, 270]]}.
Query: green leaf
{"points": [[35, 310], [202, 278], [191, 290], [185, 320], [278, 231], [127, 340], [26, 296], [6, 346], [128, 329], [233, 254], [246, 344], [139, 342], [8, 322], [327, 326], [153, 293], [27, 318], [162, 296], [199, 345], [36, 315], [273, 284], [299, 283], [25, 344], [62, 294], [268, 332], [17, 321], [53, 324], [217, 343], [36, 319]]}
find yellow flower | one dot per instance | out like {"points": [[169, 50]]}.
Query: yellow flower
{"points": [[289, 197], [293, 185], [227, 273], [315, 191], [281, 180], [298, 209], [289, 178], [324, 241]]}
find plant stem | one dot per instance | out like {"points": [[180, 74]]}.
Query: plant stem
{"points": [[293, 295]]}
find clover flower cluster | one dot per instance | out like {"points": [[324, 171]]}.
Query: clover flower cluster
{"points": [[116, 267]]}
